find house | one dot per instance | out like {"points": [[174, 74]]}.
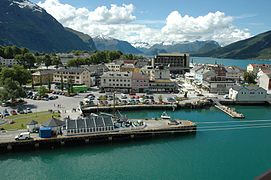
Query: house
{"points": [[218, 87], [42, 77], [254, 68], [203, 74], [96, 71], [7, 62], [234, 73], [248, 94], [74, 75], [87, 125], [178, 63], [55, 124], [265, 80], [32, 125]]}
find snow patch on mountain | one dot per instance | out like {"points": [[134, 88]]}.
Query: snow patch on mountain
{"points": [[27, 4], [141, 45], [104, 37]]}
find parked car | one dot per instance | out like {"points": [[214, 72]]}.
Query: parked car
{"points": [[13, 112], [23, 136], [4, 104], [28, 110], [123, 96], [5, 113], [20, 111]]}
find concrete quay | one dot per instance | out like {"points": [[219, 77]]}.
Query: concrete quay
{"points": [[155, 128], [230, 111]]}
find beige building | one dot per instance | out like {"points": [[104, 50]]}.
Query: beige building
{"points": [[254, 68], [265, 80], [74, 75], [113, 66], [42, 77]]}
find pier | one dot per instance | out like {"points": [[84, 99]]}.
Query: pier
{"points": [[227, 110], [155, 128]]}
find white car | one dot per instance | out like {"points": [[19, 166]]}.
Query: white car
{"points": [[23, 136]]}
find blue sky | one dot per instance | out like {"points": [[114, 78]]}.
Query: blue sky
{"points": [[249, 15]]}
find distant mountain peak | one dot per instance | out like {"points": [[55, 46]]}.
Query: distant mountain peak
{"points": [[104, 37], [141, 45], [26, 4]]}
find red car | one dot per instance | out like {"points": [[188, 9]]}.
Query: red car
{"points": [[13, 112]]}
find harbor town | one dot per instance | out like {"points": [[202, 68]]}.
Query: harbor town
{"points": [[76, 99]]}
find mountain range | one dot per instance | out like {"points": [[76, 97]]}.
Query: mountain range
{"points": [[107, 43], [257, 47], [25, 24]]}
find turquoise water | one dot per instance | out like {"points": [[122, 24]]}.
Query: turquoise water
{"points": [[229, 62], [231, 154]]}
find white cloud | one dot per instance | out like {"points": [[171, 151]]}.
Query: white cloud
{"points": [[119, 22]]}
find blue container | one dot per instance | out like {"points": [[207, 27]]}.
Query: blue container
{"points": [[45, 132]]}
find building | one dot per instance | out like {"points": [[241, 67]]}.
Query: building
{"points": [[162, 85], [204, 74], [265, 80], [55, 125], [114, 66], [218, 87], [254, 68], [177, 63], [32, 125], [74, 75], [248, 94], [140, 82], [87, 125], [121, 81], [7, 62], [234, 73], [96, 71], [42, 77]]}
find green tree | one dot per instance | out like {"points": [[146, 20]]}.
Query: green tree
{"points": [[12, 90], [42, 91], [8, 53], [47, 60], [249, 78], [30, 60], [16, 73]]}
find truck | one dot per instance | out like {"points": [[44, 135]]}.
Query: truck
{"points": [[23, 136]]}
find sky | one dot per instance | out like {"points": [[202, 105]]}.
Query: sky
{"points": [[163, 21]]}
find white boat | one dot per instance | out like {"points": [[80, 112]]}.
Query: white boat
{"points": [[165, 116]]}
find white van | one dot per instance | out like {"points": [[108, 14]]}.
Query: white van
{"points": [[23, 136]]}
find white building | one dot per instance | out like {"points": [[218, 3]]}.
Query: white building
{"points": [[248, 94], [265, 80], [113, 66], [8, 62], [116, 80]]}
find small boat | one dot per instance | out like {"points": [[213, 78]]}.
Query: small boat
{"points": [[165, 116]]}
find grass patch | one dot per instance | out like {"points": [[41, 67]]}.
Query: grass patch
{"points": [[21, 120]]}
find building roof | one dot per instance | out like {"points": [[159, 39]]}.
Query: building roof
{"points": [[91, 121], [53, 123], [260, 65], [250, 88], [94, 68], [117, 74], [233, 69], [173, 54], [32, 122], [43, 72], [139, 76], [72, 69]]}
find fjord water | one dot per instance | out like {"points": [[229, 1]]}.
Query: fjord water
{"points": [[229, 62], [228, 154]]}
